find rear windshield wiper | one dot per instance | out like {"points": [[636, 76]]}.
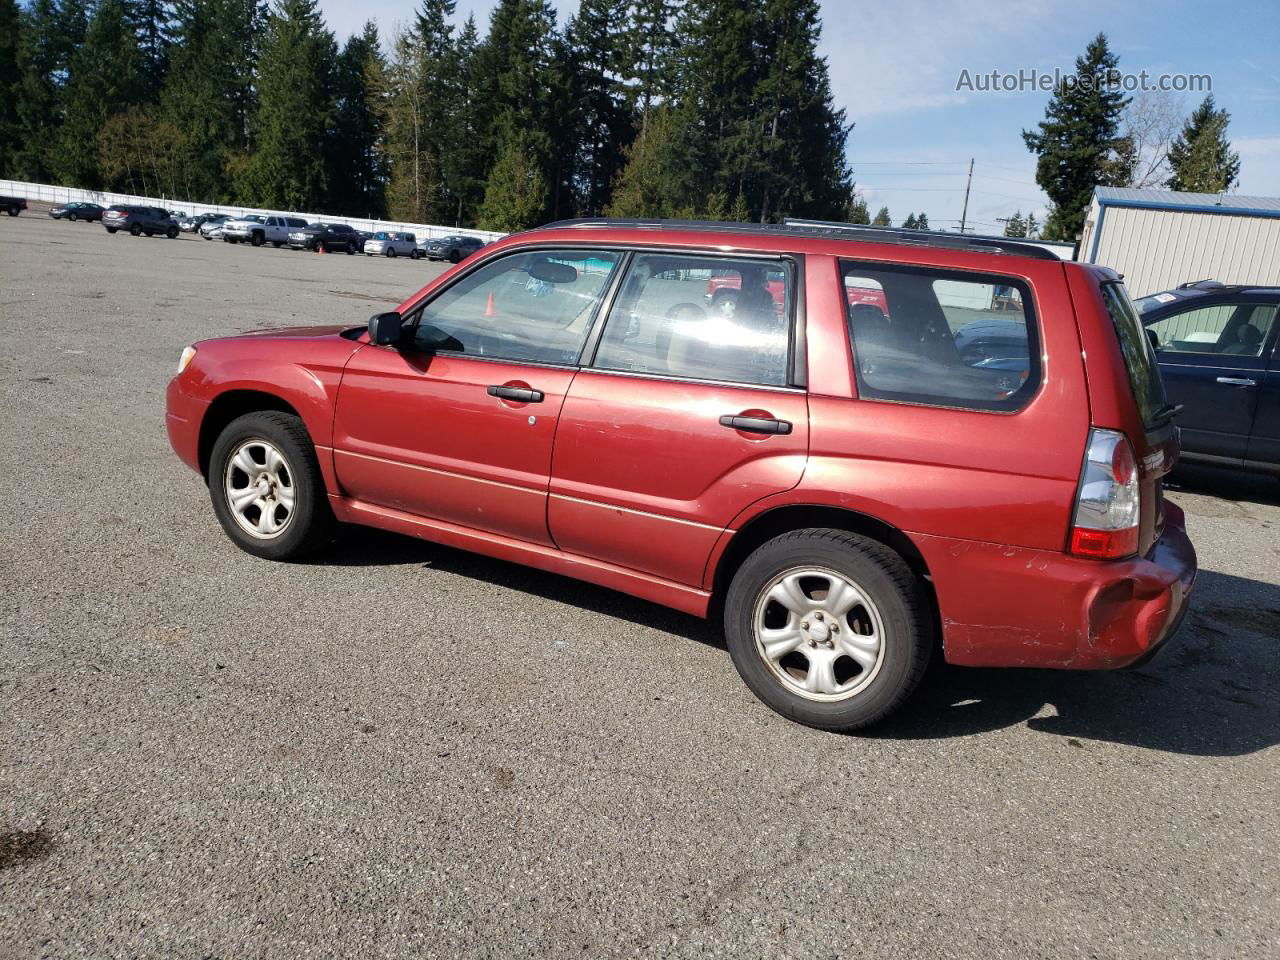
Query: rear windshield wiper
{"points": [[1166, 413]]}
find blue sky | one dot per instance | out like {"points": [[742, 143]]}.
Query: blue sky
{"points": [[894, 68]]}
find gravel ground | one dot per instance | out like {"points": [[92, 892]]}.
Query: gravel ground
{"points": [[407, 751]]}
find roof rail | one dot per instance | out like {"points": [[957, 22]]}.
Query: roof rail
{"points": [[828, 229]]}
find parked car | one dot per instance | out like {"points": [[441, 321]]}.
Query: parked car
{"points": [[389, 243], [455, 248], [211, 229], [77, 211], [258, 230], [193, 222], [13, 205], [362, 237], [1216, 346], [844, 490], [139, 219], [327, 238]]}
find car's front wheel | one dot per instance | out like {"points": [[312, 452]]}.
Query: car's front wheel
{"points": [[266, 486], [828, 628], [455, 256], [73, 217], [135, 230]]}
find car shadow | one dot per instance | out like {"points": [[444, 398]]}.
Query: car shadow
{"points": [[1213, 691], [1225, 483], [366, 546]]}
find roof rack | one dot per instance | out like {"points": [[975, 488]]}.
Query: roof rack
{"points": [[829, 229]]}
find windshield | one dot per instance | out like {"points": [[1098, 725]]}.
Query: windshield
{"points": [[1139, 356]]}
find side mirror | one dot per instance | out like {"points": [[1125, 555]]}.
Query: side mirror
{"points": [[1154, 338], [385, 329]]}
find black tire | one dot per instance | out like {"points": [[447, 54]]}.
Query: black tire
{"points": [[112, 229], [73, 216], [277, 244], [256, 238], [351, 250], [150, 233], [454, 256], [172, 233], [882, 576], [389, 252], [135, 230], [416, 254], [13, 211], [311, 524]]}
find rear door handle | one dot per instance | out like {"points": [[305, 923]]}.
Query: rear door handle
{"points": [[755, 424], [523, 394], [1238, 381]]}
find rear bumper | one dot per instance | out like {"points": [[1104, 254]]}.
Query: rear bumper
{"points": [[183, 416], [1007, 606]]}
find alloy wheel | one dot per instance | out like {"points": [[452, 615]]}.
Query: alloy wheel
{"points": [[819, 633], [259, 488]]}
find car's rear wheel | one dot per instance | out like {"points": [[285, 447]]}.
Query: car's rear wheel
{"points": [[172, 233], [454, 256], [266, 486], [13, 211], [415, 254], [256, 239], [351, 250], [135, 230], [73, 217], [828, 628]]}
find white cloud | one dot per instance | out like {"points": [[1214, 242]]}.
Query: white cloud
{"points": [[1259, 165]]}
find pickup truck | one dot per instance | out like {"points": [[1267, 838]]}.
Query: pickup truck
{"points": [[259, 230], [12, 205]]}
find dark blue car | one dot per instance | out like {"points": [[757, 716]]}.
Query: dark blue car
{"points": [[1216, 345]]}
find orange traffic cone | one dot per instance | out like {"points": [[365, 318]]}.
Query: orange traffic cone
{"points": [[488, 307], [319, 248]]}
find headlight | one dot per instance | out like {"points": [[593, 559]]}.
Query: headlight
{"points": [[188, 354]]}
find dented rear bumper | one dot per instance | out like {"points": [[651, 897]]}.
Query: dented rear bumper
{"points": [[1004, 606]]}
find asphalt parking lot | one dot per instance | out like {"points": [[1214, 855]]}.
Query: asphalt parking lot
{"points": [[407, 751]]}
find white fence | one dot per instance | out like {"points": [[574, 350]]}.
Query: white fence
{"points": [[48, 193]]}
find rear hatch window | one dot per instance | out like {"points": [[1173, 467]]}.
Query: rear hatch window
{"points": [[1139, 357]]}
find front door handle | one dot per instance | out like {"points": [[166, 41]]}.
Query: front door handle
{"points": [[522, 394], [755, 424], [1238, 381]]}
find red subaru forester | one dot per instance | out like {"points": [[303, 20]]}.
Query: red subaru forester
{"points": [[966, 453]]}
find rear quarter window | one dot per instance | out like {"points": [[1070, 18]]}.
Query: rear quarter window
{"points": [[1138, 352], [941, 338]]}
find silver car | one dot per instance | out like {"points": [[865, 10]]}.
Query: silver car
{"points": [[211, 229], [392, 244]]}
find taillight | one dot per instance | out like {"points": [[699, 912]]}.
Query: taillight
{"points": [[1108, 505]]}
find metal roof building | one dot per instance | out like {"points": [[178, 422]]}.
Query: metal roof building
{"points": [[1160, 238]]}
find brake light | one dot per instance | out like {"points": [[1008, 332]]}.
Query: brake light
{"points": [[1108, 501]]}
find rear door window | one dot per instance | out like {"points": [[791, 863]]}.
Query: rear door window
{"points": [[701, 318], [941, 338]]}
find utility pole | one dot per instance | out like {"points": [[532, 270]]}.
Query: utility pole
{"points": [[965, 215]]}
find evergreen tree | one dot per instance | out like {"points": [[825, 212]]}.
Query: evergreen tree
{"points": [[356, 157], [208, 93], [151, 22], [1015, 226], [649, 56], [1033, 227], [858, 212], [910, 222], [518, 192], [882, 218], [1200, 158], [11, 30], [519, 83], [50, 33], [105, 76], [602, 120], [800, 167], [922, 222], [288, 169], [652, 183], [466, 162], [1078, 142]]}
